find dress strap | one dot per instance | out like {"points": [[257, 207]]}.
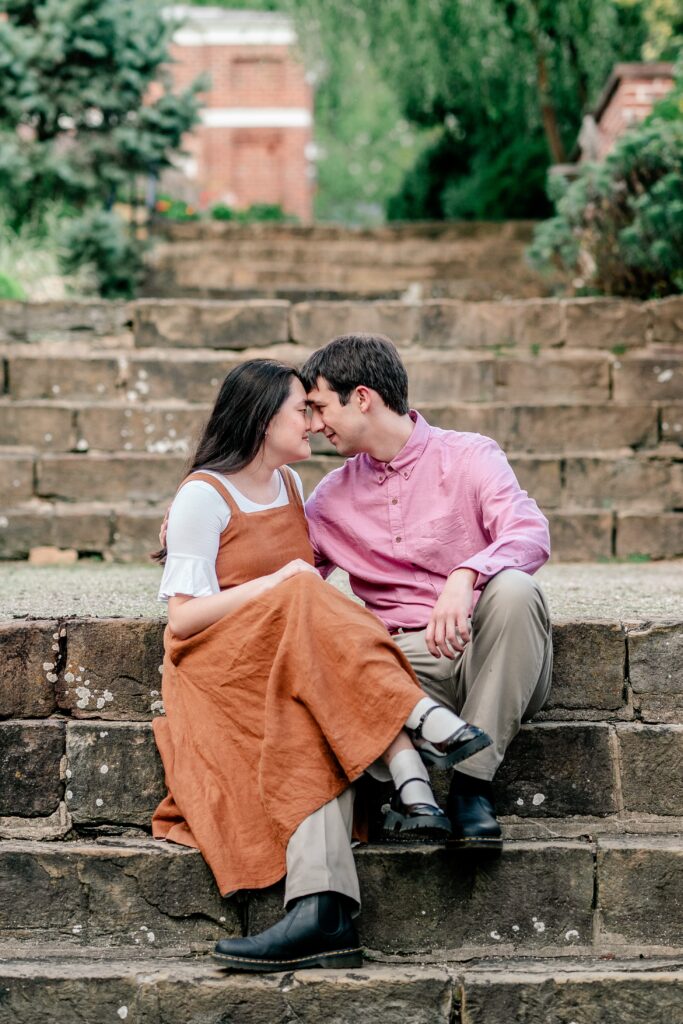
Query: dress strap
{"points": [[217, 486], [290, 484]]}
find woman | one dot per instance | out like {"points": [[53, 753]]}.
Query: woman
{"points": [[279, 691]]}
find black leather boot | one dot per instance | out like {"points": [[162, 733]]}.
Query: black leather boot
{"points": [[473, 817], [317, 932]]}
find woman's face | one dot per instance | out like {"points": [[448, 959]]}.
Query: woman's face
{"points": [[287, 437]]}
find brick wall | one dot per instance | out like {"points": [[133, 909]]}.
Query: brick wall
{"points": [[255, 138], [633, 91]]}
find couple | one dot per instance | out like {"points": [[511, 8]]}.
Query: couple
{"points": [[280, 691]]}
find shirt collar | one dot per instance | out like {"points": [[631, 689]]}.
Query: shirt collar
{"points": [[404, 462]]}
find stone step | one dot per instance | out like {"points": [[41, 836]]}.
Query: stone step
{"points": [[127, 532], [623, 480], [84, 775], [165, 424], [602, 670], [529, 325], [614, 893], [97, 987]]}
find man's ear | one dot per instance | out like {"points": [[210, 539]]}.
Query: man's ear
{"points": [[364, 397]]}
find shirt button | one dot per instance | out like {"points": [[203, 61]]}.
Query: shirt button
{"points": [[405, 475], [394, 501], [398, 540]]}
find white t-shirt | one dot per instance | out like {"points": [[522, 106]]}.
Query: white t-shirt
{"points": [[197, 517]]}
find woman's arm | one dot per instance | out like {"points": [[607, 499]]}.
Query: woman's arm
{"points": [[189, 615]]}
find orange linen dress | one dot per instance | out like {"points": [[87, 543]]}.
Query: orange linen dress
{"points": [[276, 708]]}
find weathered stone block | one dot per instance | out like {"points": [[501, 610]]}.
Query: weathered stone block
{"points": [[136, 533], [642, 378], [158, 430], [589, 666], [540, 477], [531, 896], [667, 320], [435, 379], [85, 529], [456, 324], [180, 376], [114, 773], [34, 425], [652, 768], [641, 481], [672, 423], [183, 323], [549, 428], [580, 536], [316, 323], [143, 895], [30, 756], [655, 658], [38, 375], [144, 477], [658, 535], [640, 890], [38, 321], [591, 995], [28, 668], [112, 669], [16, 477], [177, 991], [606, 323], [568, 377], [552, 770]]}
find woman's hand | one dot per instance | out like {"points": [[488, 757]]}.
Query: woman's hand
{"points": [[292, 568]]}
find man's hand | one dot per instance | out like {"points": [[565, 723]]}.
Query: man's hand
{"points": [[448, 629], [164, 528]]}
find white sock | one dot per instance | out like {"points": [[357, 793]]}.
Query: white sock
{"points": [[407, 764], [440, 724]]}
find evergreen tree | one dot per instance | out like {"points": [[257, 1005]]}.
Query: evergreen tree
{"points": [[86, 108]]}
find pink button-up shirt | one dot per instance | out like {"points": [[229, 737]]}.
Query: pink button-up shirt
{"points": [[448, 500]]}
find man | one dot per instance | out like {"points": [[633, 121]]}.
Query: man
{"points": [[440, 542]]}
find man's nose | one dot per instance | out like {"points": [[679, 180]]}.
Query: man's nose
{"points": [[316, 424]]}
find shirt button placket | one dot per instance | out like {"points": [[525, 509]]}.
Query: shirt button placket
{"points": [[395, 516]]}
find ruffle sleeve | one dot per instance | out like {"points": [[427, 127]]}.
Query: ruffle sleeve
{"points": [[188, 574]]}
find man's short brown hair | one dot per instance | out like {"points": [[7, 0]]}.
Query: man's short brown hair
{"points": [[352, 360]]}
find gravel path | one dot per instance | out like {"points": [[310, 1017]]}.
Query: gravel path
{"points": [[597, 591]]}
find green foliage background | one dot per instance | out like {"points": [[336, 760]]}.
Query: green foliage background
{"points": [[456, 108]]}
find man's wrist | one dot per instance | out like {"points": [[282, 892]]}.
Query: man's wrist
{"points": [[463, 574]]}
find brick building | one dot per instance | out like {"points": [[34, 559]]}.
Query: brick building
{"points": [[254, 144], [628, 97]]}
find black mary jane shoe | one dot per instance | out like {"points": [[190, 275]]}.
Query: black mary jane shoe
{"points": [[461, 744], [317, 932], [411, 822], [475, 827]]}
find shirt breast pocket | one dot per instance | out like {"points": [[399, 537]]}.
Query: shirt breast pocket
{"points": [[441, 542]]}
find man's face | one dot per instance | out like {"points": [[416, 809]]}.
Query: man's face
{"points": [[341, 424]]}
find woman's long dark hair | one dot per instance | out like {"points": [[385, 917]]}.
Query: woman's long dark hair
{"points": [[249, 397]]}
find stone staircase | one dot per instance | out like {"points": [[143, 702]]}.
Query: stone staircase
{"points": [[101, 402], [455, 260], [581, 918]]}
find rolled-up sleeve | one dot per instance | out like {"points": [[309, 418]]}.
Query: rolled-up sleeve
{"points": [[518, 530]]}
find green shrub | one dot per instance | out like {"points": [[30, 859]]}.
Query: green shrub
{"points": [[101, 242], [10, 289], [175, 209], [223, 212], [618, 228]]}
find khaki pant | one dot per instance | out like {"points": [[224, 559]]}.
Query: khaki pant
{"points": [[502, 677], [504, 674]]}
